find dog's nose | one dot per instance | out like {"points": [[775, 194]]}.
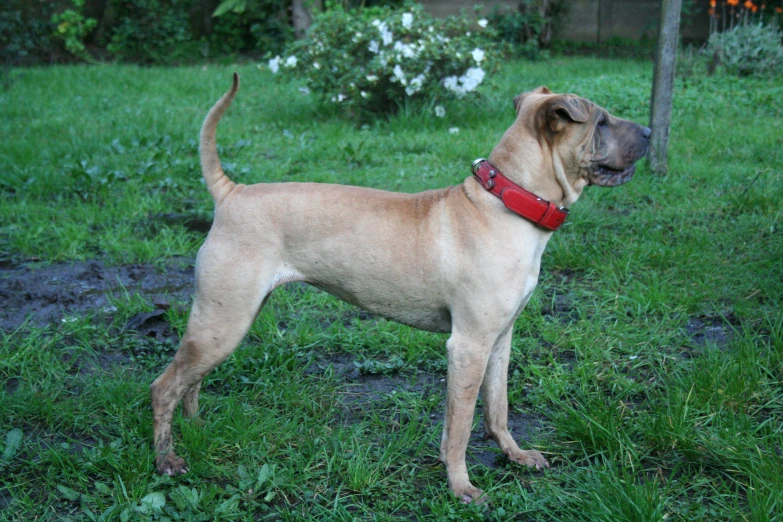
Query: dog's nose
{"points": [[646, 132]]}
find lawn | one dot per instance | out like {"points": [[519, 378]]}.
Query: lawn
{"points": [[647, 366]]}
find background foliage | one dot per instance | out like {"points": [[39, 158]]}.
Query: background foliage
{"points": [[177, 31], [379, 61]]}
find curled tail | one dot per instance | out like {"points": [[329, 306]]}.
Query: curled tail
{"points": [[217, 182]]}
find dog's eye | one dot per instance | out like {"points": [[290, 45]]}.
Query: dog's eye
{"points": [[603, 121]]}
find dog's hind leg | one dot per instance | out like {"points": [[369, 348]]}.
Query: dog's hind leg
{"points": [[223, 310], [190, 399]]}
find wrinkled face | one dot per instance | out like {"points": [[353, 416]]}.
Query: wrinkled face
{"points": [[616, 146], [593, 145]]}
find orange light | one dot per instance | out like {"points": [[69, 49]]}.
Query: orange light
{"points": [[779, 10], [712, 3], [748, 5], [732, 2]]}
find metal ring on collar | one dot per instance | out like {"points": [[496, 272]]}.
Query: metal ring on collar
{"points": [[476, 164]]}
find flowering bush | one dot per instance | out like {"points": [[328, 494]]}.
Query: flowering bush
{"points": [[749, 49], [744, 37], [373, 64]]}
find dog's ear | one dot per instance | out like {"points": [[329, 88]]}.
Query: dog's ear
{"points": [[519, 97], [563, 110], [518, 101]]}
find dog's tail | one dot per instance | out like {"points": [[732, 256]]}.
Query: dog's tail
{"points": [[218, 183]]}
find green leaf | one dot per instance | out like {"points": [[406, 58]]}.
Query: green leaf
{"points": [[154, 500], [68, 493], [229, 5], [263, 475], [13, 441]]}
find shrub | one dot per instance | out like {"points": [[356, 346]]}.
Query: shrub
{"points": [[26, 31], [531, 26], [246, 25], [151, 31], [748, 49], [71, 28], [373, 66]]}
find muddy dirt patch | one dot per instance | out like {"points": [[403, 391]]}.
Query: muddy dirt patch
{"points": [[709, 331], [360, 394], [45, 293]]}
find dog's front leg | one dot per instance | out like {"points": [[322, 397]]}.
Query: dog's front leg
{"points": [[495, 397], [467, 360]]}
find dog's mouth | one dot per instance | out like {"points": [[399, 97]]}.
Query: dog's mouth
{"points": [[605, 176]]}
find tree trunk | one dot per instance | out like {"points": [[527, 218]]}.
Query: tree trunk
{"points": [[663, 85], [301, 18]]}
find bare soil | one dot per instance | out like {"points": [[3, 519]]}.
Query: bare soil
{"points": [[46, 293]]}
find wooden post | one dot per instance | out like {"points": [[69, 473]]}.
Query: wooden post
{"points": [[663, 85], [302, 15]]}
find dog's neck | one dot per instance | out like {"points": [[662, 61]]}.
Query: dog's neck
{"points": [[542, 173]]}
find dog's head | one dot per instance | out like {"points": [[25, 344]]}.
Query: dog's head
{"points": [[580, 142]]}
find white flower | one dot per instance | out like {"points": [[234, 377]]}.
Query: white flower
{"points": [[440, 112], [399, 75], [274, 64], [453, 130], [376, 22], [452, 84], [304, 90], [472, 78], [407, 20], [364, 94], [483, 22], [290, 61], [407, 51], [373, 47], [417, 82], [386, 35], [316, 65], [465, 83], [372, 78], [478, 55], [340, 97]]}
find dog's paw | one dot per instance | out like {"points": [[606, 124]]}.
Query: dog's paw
{"points": [[470, 494], [529, 458], [172, 465]]}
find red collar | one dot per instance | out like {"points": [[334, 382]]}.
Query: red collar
{"points": [[523, 202]]}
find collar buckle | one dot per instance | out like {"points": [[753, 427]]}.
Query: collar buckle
{"points": [[476, 164]]}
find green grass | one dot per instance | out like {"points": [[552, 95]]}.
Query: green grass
{"points": [[650, 357]]}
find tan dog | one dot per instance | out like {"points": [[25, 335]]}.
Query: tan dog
{"points": [[453, 260]]}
